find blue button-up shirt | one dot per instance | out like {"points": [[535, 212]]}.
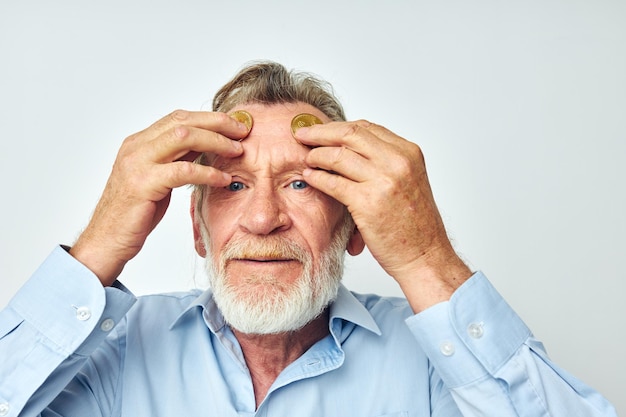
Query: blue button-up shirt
{"points": [[69, 347]]}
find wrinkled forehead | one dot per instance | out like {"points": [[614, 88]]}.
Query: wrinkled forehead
{"points": [[271, 142], [275, 156]]}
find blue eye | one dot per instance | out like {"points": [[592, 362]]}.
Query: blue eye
{"points": [[236, 186], [299, 185]]}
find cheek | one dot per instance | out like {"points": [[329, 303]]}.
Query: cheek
{"points": [[220, 224], [329, 211], [317, 219]]}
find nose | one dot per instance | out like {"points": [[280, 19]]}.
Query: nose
{"points": [[265, 212]]}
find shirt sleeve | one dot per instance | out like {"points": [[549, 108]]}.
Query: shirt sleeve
{"points": [[50, 327], [492, 364]]}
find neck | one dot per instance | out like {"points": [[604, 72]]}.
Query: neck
{"points": [[268, 355]]}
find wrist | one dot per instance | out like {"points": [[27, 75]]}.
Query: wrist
{"points": [[97, 261], [433, 278]]}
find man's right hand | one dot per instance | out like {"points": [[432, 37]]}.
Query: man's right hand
{"points": [[148, 166]]}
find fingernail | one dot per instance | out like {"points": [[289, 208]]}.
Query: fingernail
{"points": [[244, 118], [300, 131]]}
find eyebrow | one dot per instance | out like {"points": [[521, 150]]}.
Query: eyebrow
{"points": [[281, 167]]}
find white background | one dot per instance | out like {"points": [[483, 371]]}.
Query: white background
{"points": [[520, 108]]}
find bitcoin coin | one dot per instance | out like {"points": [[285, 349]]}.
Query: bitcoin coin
{"points": [[243, 117], [304, 120]]}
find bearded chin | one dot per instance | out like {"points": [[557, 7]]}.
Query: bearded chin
{"points": [[269, 307]]}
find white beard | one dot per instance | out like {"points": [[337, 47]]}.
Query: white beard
{"points": [[268, 305]]}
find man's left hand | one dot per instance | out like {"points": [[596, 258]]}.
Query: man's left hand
{"points": [[381, 178]]}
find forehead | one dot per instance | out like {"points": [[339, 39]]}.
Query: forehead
{"points": [[276, 117], [270, 141]]}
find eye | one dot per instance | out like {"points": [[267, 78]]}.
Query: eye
{"points": [[299, 185], [235, 186]]}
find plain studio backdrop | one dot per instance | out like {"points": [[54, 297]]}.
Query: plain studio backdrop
{"points": [[519, 107]]}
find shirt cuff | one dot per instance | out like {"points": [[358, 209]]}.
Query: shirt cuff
{"points": [[470, 336], [66, 303]]}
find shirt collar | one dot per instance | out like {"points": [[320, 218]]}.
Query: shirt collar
{"points": [[204, 305], [346, 307]]}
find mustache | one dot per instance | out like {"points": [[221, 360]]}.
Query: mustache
{"points": [[266, 248]]}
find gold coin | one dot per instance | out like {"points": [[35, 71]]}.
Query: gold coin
{"points": [[304, 120], [243, 117]]}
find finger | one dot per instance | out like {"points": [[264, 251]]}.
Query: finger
{"points": [[361, 135], [180, 173], [340, 160], [215, 121], [186, 143], [336, 186]]}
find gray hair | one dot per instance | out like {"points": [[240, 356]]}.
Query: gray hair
{"points": [[271, 83]]}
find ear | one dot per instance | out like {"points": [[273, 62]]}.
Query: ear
{"points": [[356, 243], [197, 236]]}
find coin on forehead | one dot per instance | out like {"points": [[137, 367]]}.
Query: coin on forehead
{"points": [[243, 117], [304, 120]]}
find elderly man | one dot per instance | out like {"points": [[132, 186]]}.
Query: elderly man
{"points": [[284, 186]]}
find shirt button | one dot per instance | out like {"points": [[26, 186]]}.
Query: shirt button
{"points": [[107, 325], [447, 349], [4, 409], [475, 330], [83, 313]]}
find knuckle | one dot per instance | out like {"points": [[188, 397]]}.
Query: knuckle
{"points": [[353, 129], [415, 150], [364, 123], [408, 160], [179, 133], [185, 169], [358, 131], [179, 115], [181, 172], [221, 118], [404, 165], [416, 154], [337, 156]]}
